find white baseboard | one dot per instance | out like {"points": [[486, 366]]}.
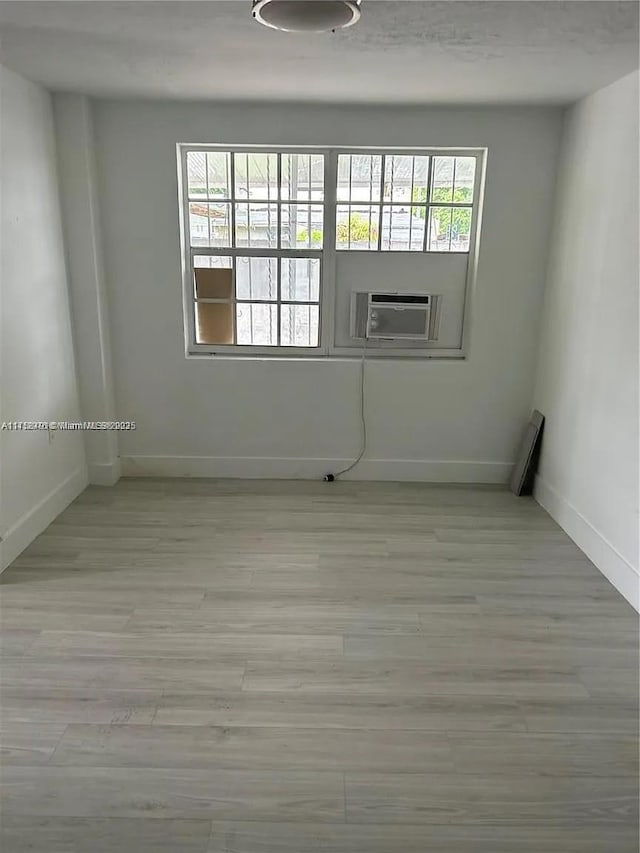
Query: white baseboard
{"points": [[617, 570], [104, 474], [257, 468], [33, 522]]}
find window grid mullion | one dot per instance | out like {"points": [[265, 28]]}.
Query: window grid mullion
{"points": [[279, 200], [232, 241], [427, 213], [279, 244], [220, 200], [350, 199], [279, 294], [309, 209], [228, 251], [383, 166], [413, 176], [453, 198], [189, 279], [256, 301]]}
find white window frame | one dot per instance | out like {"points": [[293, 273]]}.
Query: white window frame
{"points": [[327, 255]]}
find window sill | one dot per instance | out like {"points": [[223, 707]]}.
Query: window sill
{"points": [[334, 356]]}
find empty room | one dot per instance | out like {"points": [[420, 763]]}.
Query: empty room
{"points": [[319, 444]]}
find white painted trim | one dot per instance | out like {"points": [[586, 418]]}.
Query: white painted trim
{"points": [[34, 521], [256, 468], [616, 569], [104, 473]]}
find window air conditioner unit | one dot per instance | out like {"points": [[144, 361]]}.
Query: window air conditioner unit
{"points": [[392, 316]]}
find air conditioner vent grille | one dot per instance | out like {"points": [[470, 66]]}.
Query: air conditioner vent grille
{"points": [[398, 299], [400, 317]]}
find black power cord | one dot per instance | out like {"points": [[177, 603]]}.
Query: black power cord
{"points": [[329, 478]]}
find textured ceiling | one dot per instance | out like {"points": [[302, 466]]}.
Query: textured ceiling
{"points": [[400, 52]]}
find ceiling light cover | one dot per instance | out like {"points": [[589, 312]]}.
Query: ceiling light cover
{"points": [[307, 16]]}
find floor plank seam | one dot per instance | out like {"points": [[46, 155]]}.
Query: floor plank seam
{"points": [[344, 794]]}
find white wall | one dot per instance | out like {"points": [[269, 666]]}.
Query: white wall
{"points": [[587, 383], [39, 474], [83, 238], [451, 421]]}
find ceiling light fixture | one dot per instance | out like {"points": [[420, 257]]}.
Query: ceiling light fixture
{"points": [[307, 16]]}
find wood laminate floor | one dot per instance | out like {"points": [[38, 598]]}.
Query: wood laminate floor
{"points": [[288, 667]]}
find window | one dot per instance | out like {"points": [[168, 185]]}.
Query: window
{"points": [[397, 202], [255, 229], [262, 227]]}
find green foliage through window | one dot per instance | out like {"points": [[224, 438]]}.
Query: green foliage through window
{"points": [[201, 190], [461, 195], [457, 220], [303, 236], [440, 195], [357, 230]]}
